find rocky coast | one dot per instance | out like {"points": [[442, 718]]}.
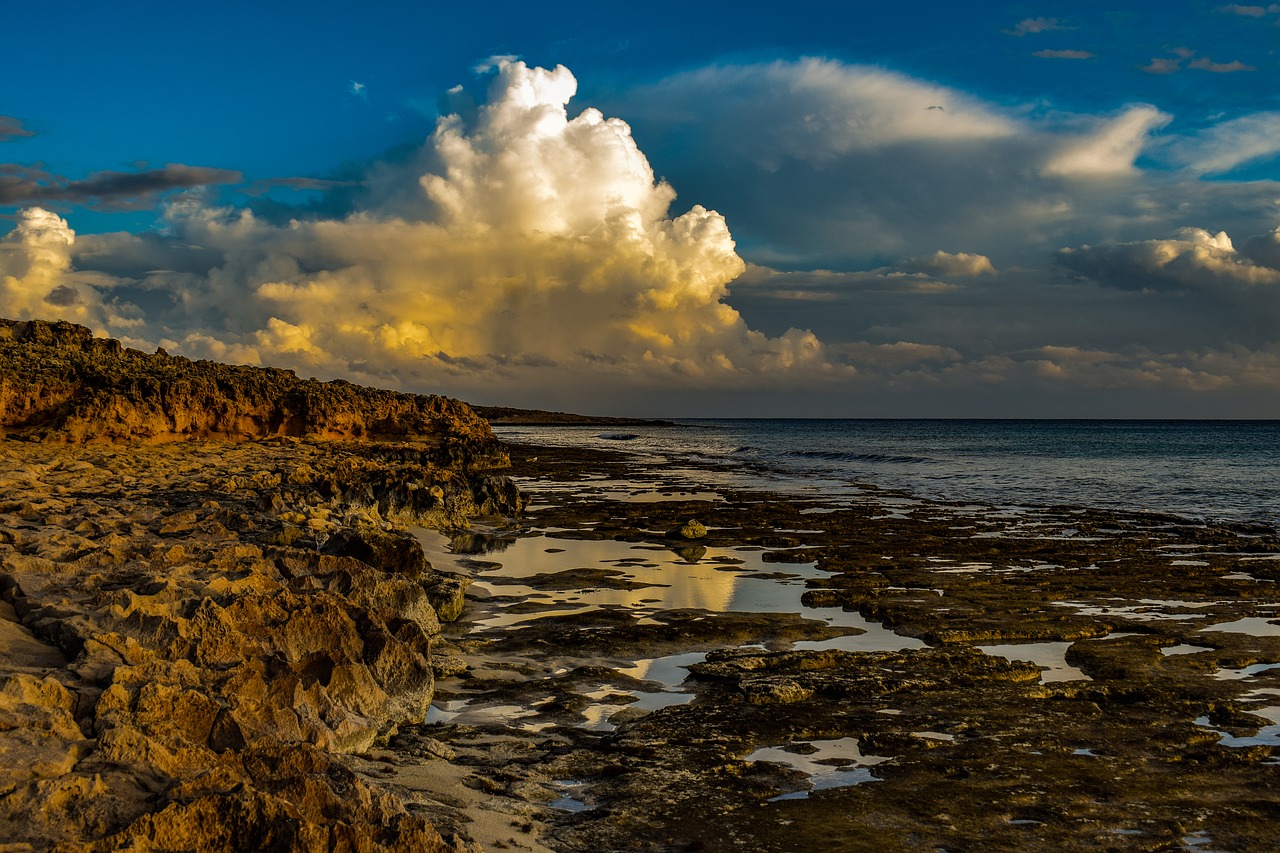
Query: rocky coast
{"points": [[271, 613], [810, 672], [209, 601]]}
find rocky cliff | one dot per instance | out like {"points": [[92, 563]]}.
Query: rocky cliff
{"points": [[59, 383], [197, 635]]}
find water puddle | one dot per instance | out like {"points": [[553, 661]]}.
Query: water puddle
{"points": [[570, 791], [828, 764], [1258, 626], [1266, 736], [1246, 672], [1144, 610], [1050, 657], [1184, 649], [541, 576]]}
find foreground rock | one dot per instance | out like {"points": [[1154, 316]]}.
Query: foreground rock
{"points": [[195, 636], [189, 653]]}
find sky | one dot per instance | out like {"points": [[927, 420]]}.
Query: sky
{"points": [[811, 209]]}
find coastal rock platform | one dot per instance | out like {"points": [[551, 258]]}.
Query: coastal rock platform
{"points": [[1052, 678]]}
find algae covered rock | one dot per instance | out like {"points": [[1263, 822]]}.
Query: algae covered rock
{"points": [[691, 529]]}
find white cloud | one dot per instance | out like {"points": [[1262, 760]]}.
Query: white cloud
{"points": [[814, 111], [946, 264], [1204, 63], [1113, 145], [522, 245], [36, 278], [1224, 146]]}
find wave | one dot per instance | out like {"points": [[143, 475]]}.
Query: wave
{"points": [[618, 436], [842, 456]]}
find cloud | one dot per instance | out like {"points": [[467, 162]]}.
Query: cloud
{"points": [[109, 190], [11, 128], [519, 247], [1113, 145], [816, 111], [945, 264], [1029, 26], [37, 281], [819, 162], [1224, 146], [1162, 65], [1204, 63], [925, 274], [1194, 260], [1250, 11], [1063, 54], [1182, 58]]}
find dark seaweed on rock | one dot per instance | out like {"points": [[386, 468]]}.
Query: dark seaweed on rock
{"points": [[59, 383]]}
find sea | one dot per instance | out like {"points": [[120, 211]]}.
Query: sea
{"points": [[1210, 470]]}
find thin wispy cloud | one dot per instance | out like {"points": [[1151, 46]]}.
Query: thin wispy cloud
{"points": [[11, 128], [1063, 54], [1031, 26], [1204, 63], [1183, 58], [1250, 11]]}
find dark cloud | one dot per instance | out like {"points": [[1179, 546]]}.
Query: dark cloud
{"points": [[1195, 260], [107, 190], [11, 128]]}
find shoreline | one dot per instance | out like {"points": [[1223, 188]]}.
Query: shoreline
{"points": [[562, 718], [1162, 704]]}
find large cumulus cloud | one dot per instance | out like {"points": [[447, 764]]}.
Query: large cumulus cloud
{"points": [[37, 280], [519, 246]]}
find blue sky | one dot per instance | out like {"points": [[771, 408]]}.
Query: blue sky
{"points": [[1022, 209]]}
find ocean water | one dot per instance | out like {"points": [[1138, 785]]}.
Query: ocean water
{"points": [[1211, 470]]}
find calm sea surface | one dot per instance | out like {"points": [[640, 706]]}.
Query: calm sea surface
{"points": [[1225, 470]]}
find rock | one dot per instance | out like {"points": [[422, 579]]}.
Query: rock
{"points": [[58, 382], [447, 593], [387, 550], [691, 529], [169, 677]]}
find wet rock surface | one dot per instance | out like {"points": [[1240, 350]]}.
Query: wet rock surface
{"points": [[1063, 678]]}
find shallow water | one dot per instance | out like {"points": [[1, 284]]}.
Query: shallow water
{"points": [[1050, 657], [1208, 469], [718, 580], [828, 763]]}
